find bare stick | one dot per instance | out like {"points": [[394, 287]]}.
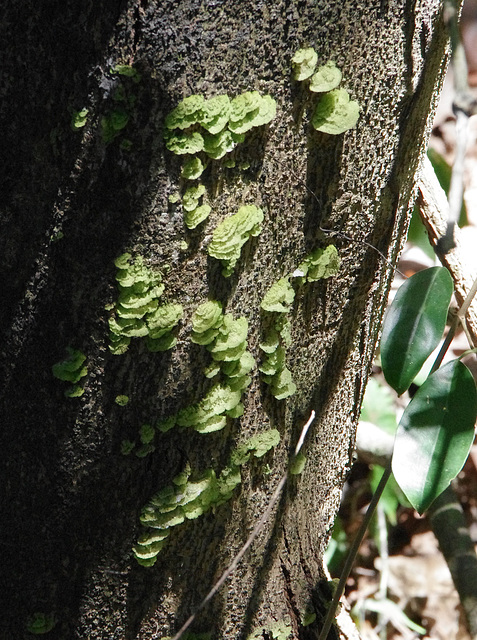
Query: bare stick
{"points": [[255, 531]]}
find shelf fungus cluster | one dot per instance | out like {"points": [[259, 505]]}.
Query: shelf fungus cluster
{"points": [[191, 495], [335, 112], [226, 340], [277, 303], [216, 125], [137, 313], [232, 233], [202, 130], [72, 369]]}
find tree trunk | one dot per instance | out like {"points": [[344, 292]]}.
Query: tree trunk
{"points": [[80, 197]]}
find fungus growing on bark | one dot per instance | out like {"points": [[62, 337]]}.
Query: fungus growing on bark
{"points": [[249, 110], [189, 496], [319, 264], [335, 113], [326, 78], [187, 113], [71, 369], [215, 113], [137, 310], [182, 143], [279, 297], [304, 63], [192, 169], [232, 233]]}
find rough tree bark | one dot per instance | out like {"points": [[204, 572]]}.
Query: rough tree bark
{"points": [[75, 202]]}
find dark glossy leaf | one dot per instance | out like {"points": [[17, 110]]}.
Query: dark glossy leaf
{"points": [[435, 434], [414, 324]]}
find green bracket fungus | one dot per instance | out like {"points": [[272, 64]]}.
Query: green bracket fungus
{"points": [[319, 264], [218, 145], [326, 78], [126, 447], [79, 119], [193, 218], [215, 114], [113, 123], [181, 143], [278, 302], [279, 298], [190, 496], [249, 110], [216, 125], [335, 113], [40, 623], [126, 70], [297, 464], [195, 213], [192, 169], [187, 113], [304, 63], [226, 339], [232, 233], [72, 369], [137, 312], [277, 631]]}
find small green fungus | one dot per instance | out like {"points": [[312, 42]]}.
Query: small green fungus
{"points": [[40, 623], [232, 233], [79, 119], [326, 78], [192, 169], [335, 113], [279, 298], [304, 63], [72, 369]]}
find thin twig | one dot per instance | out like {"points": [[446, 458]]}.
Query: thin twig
{"points": [[255, 531]]}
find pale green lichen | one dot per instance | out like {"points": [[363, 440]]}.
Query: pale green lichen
{"points": [[232, 233], [304, 63], [137, 313], [72, 369], [326, 78], [189, 496], [121, 400], [335, 113]]}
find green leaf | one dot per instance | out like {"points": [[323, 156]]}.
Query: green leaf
{"points": [[414, 325], [435, 434]]}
